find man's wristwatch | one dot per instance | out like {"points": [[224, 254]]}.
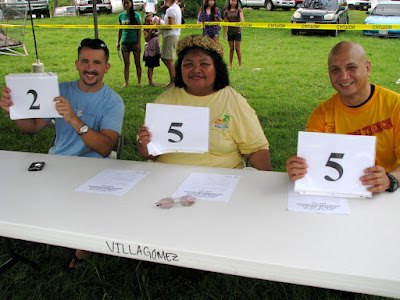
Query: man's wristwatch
{"points": [[394, 183], [83, 129]]}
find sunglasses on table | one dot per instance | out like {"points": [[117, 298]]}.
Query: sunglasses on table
{"points": [[170, 202]]}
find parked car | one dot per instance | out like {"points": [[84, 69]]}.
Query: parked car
{"points": [[359, 4], [375, 3], [63, 11], [117, 6], [384, 13], [39, 8], [269, 4], [138, 4], [298, 3], [86, 6], [321, 12]]}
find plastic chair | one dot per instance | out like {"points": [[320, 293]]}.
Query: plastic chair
{"points": [[116, 152]]}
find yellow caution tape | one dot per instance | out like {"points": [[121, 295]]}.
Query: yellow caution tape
{"points": [[302, 26]]}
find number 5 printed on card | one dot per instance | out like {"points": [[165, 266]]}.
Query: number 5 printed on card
{"points": [[175, 131], [334, 165]]}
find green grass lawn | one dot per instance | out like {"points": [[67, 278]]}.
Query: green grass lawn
{"points": [[284, 78]]}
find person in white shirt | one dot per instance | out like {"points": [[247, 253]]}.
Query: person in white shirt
{"points": [[150, 6], [173, 16]]}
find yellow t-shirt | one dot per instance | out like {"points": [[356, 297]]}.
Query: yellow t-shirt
{"points": [[234, 129], [380, 116]]}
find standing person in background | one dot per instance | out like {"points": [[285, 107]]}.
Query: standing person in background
{"points": [[163, 7], [173, 16], [150, 6], [181, 4], [234, 14], [211, 14], [152, 49], [130, 40]]}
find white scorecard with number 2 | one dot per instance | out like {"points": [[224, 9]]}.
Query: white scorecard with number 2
{"points": [[176, 128], [335, 163], [32, 95]]}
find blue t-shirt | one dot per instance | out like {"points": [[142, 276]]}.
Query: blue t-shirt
{"points": [[103, 109]]}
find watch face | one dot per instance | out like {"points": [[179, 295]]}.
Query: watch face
{"points": [[83, 129]]}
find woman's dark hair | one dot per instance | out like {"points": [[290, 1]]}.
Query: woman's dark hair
{"points": [[132, 15], [213, 9], [238, 3], [221, 71]]}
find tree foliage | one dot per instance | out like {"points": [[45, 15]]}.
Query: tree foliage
{"points": [[192, 7]]}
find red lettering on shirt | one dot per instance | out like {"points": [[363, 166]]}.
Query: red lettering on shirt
{"points": [[375, 128], [387, 124], [357, 132], [330, 127], [367, 130]]}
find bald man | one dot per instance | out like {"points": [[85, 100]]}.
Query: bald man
{"points": [[358, 108]]}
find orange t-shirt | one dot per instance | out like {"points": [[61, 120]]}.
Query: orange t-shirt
{"points": [[380, 117]]}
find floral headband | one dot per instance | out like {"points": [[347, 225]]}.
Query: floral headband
{"points": [[200, 41]]}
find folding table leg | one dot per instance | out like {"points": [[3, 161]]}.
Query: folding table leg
{"points": [[15, 258]]}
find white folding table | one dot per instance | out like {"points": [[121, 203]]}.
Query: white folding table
{"points": [[253, 235]]}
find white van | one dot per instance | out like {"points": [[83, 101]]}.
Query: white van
{"points": [[375, 3]]}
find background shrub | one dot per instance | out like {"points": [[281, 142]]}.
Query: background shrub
{"points": [[192, 7]]}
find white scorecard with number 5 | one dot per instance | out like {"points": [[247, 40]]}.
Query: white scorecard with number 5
{"points": [[335, 163], [32, 95], [176, 128]]}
